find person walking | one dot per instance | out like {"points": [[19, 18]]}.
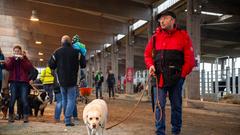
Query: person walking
{"points": [[169, 56], [66, 61]]}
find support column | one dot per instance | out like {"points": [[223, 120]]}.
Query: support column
{"points": [[151, 27], [233, 77], [114, 58], [96, 63], [103, 65], [94, 67], [193, 28], [152, 23], [222, 68], [90, 72], [228, 79], [129, 70], [212, 78], [203, 81], [238, 81]]}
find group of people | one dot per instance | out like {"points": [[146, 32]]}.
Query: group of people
{"points": [[60, 76], [169, 56], [99, 79]]}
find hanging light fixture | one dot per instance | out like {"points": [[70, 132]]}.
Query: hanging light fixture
{"points": [[34, 17], [40, 53], [38, 42]]}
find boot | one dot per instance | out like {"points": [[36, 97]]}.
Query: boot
{"points": [[25, 118], [11, 118]]}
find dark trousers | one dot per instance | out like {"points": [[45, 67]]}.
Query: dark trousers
{"points": [[19, 89], [98, 89], [111, 90], [19, 104], [0, 86], [175, 97], [49, 89]]}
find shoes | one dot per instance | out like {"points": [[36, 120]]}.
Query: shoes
{"points": [[70, 125], [56, 121], [25, 118], [17, 117], [76, 121], [10, 118]]}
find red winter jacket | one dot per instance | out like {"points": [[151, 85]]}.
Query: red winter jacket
{"points": [[174, 39], [18, 69]]}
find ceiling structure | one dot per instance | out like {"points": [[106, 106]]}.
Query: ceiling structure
{"points": [[98, 21]]}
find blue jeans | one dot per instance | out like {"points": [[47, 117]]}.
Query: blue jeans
{"points": [[175, 97], [49, 89], [19, 89], [58, 108], [0, 85], [68, 102], [75, 111], [98, 89]]}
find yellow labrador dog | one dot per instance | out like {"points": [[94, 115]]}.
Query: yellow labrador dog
{"points": [[95, 116]]}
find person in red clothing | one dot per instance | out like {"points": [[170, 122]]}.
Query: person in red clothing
{"points": [[169, 56], [18, 67]]}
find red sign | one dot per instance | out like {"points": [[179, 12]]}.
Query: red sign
{"points": [[129, 76]]}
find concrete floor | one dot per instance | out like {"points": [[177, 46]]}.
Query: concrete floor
{"points": [[195, 122]]}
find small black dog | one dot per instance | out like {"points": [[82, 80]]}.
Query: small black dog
{"points": [[38, 103], [5, 102]]}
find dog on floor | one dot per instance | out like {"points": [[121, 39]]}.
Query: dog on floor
{"points": [[95, 116], [5, 102], [38, 103]]}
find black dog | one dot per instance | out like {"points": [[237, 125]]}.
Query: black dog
{"points": [[38, 103], [5, 102]]}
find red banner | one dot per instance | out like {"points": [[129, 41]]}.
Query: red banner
{"points": [[129, 76]]}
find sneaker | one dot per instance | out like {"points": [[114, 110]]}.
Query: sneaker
{"points": [[70, 125]]}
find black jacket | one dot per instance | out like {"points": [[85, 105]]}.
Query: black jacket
{"points": [[66, 61], [111, 80], [33, 73]]}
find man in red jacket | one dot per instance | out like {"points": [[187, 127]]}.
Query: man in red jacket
{"points": [[18, 67], [170, 57]]}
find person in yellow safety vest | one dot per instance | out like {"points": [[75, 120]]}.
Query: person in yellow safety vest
{"points": [[47, 81]]}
